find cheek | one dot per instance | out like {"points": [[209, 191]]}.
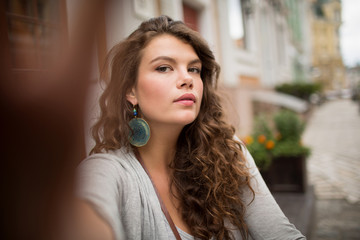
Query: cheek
{"points": [[201, 90], [150, 91]]}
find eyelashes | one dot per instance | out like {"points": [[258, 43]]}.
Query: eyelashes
{"points": [[195, 70], [165, 69]]}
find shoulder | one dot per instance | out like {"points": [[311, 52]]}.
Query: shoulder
{"points": [[248, 158], [110, 167], [104, 178], [112, 159], [102, 181]]}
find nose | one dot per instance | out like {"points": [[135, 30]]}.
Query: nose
{"points": [[185, 81]]}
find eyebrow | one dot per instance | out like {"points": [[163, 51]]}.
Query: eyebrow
{"points": [[197, 60]]}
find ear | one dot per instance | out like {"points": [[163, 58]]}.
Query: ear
{"points": [[131, 96]]}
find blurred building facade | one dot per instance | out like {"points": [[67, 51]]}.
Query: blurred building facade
{"points": [[328, 67], [353, 78], [276, 48], [27, 32], [258, 43]]}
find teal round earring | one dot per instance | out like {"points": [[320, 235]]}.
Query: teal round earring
{"points": [[139, 131]]}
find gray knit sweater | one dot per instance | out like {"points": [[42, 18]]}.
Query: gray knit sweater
{"points": [[121, 192]]}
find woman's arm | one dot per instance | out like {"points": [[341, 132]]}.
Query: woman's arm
{"points": [[89, 225], [100, 186], [263, 215]]}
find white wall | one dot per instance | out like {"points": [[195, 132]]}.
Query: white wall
{"points": [[236, 61]]}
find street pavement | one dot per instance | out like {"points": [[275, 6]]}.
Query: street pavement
{"points": [[333, 133]]}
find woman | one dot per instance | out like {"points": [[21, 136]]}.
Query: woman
{"points": [[164, 76]]}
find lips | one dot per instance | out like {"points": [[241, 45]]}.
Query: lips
{"points": [[186, 97]]}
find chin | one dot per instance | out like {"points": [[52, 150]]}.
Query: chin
{"points": [[186, 121]]}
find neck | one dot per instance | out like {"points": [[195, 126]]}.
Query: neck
{"points": [[161, 147]]}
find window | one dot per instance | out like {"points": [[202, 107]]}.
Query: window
{"points": [[281, 44], [32, 27], [337, 16], [236, 22], [191, 17]]}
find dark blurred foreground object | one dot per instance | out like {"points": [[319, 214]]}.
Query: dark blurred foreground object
{"points": [[43, 84]]}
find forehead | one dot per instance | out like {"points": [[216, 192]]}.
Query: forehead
{"points": [[168, 45]]}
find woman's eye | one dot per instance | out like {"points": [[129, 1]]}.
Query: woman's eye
{"points": [[195, 70], [163, 69]]}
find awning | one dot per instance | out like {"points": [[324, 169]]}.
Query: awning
{"points": [[280, 99]]}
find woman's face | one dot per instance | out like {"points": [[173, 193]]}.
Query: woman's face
{"points": [[169, 88]]}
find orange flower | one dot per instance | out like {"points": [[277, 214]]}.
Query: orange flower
{"points": [[270, 144], [261, 139], [248, 140]]}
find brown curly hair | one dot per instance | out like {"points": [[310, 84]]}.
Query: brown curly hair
{"points": [[210, 171]]}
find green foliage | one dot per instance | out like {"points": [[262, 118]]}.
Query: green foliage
{"points": [[288, 124], [290, 149], [261, 155], [301, 90], [261, 127], [289, 128], [259, 143]]}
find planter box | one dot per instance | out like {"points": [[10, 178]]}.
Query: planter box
{"points": [[287, 174]]}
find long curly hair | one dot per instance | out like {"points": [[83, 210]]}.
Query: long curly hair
{"points": [[209, 169]]}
